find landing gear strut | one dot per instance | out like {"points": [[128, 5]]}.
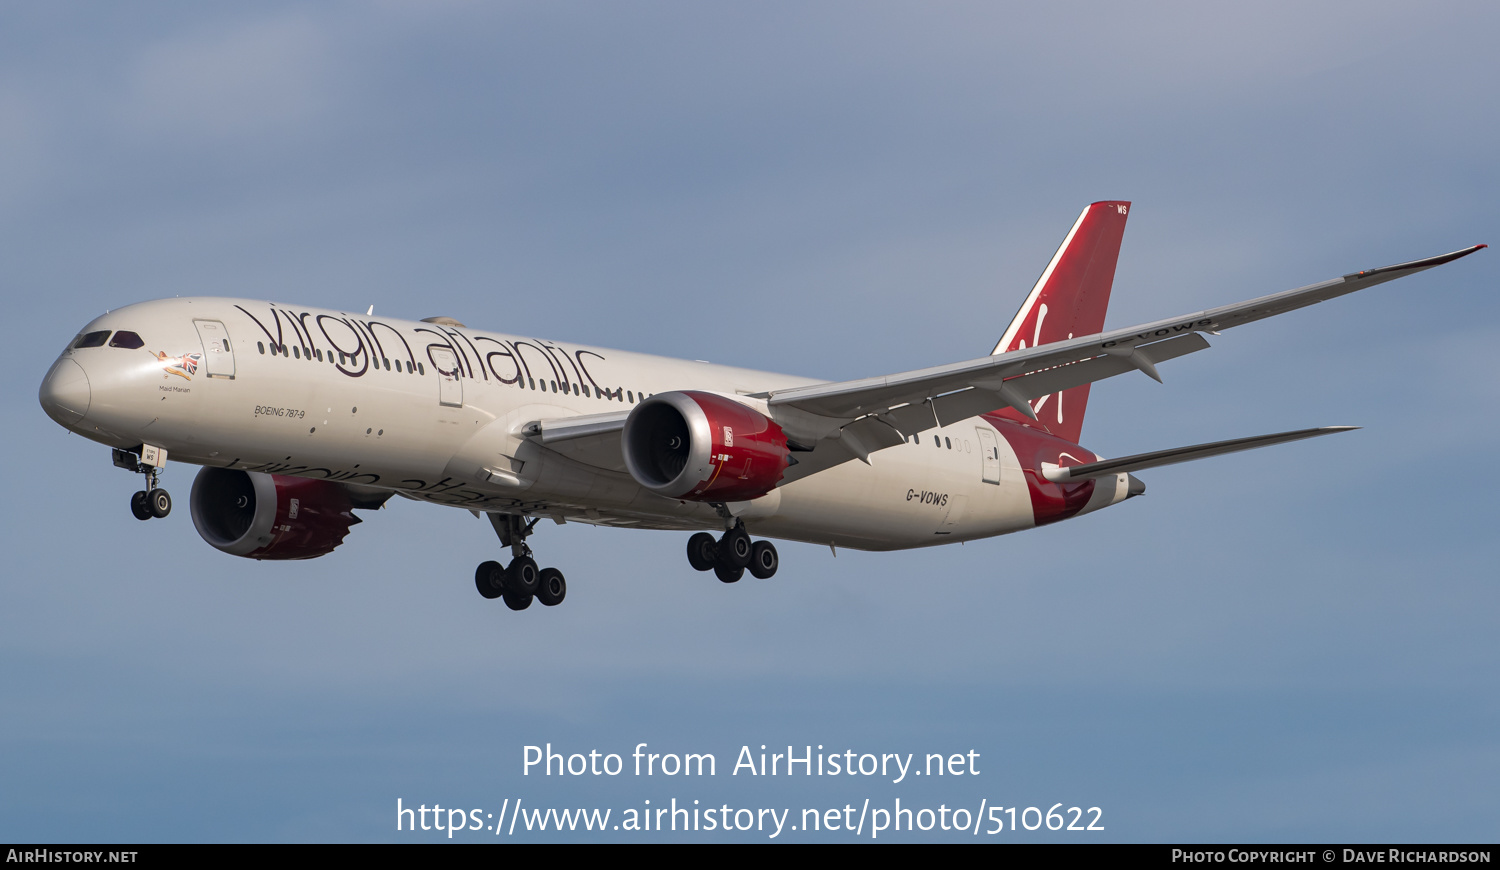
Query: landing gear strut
{"points": [[153, 501], [522, 581], [730, 555]]}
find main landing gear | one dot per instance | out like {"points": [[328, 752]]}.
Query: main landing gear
{"points": [[151, 502], [731, 554], [522, 581]]}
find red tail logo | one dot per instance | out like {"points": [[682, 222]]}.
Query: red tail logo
{"points": [[1069, 300]]}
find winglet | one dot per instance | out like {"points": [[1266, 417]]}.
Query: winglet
{"points": [[1414, 265]]}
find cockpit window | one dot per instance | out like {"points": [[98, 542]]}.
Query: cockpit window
{"points": [[127, 340], [92, 339]]}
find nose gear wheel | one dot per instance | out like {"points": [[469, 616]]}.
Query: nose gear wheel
{"points": [[153, 502]]}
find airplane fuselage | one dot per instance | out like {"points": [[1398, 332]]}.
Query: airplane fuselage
{"points": [[439, 412]]}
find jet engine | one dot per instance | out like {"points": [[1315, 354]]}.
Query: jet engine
{"points": [[703, 447], [269, 516]]}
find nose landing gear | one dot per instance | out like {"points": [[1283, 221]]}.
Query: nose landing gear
{"points": [[733, 553], [153, 501], [521, 582]]}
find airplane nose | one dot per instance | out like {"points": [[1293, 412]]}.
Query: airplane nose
{"points": [[65, 392]]}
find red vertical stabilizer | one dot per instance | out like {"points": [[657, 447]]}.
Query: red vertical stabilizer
{"points": [[1069, 300]]}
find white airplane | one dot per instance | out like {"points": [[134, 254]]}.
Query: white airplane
{"points": [[300, 416]]}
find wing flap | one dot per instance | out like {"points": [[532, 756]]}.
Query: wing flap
{"points": [[865, 435]]}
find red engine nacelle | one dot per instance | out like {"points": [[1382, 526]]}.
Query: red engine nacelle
{"points": [[703, 447], [268, 516]]}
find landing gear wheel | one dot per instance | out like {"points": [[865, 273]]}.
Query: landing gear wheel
{"points": [[552, 588], [517, 600], [734, 548], [159, 503], [763, 560], [489, 579], [139, 507], [703, 550], [522, 576], [727, 574]]}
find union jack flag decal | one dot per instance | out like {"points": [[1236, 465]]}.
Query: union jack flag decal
{"points": [[190, 362]]}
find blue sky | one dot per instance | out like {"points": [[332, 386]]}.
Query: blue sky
{"points": [[1293, 644]]}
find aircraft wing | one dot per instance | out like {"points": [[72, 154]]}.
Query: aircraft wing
{"points": [[593, 439], [833, 423], [866, 415]]}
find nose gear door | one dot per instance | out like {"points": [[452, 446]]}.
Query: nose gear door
{"points": [[218, 355]]}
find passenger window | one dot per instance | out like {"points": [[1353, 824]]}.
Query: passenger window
{"points": [[297, 352], [93, 339], [630, 397], [585, 390], [419, 369], [319, 352], [127, 340], [387, 363], [949, 442], [262, 346]]}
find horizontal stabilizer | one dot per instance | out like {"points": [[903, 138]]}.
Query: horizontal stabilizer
{"points": [[1140, 461]]}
